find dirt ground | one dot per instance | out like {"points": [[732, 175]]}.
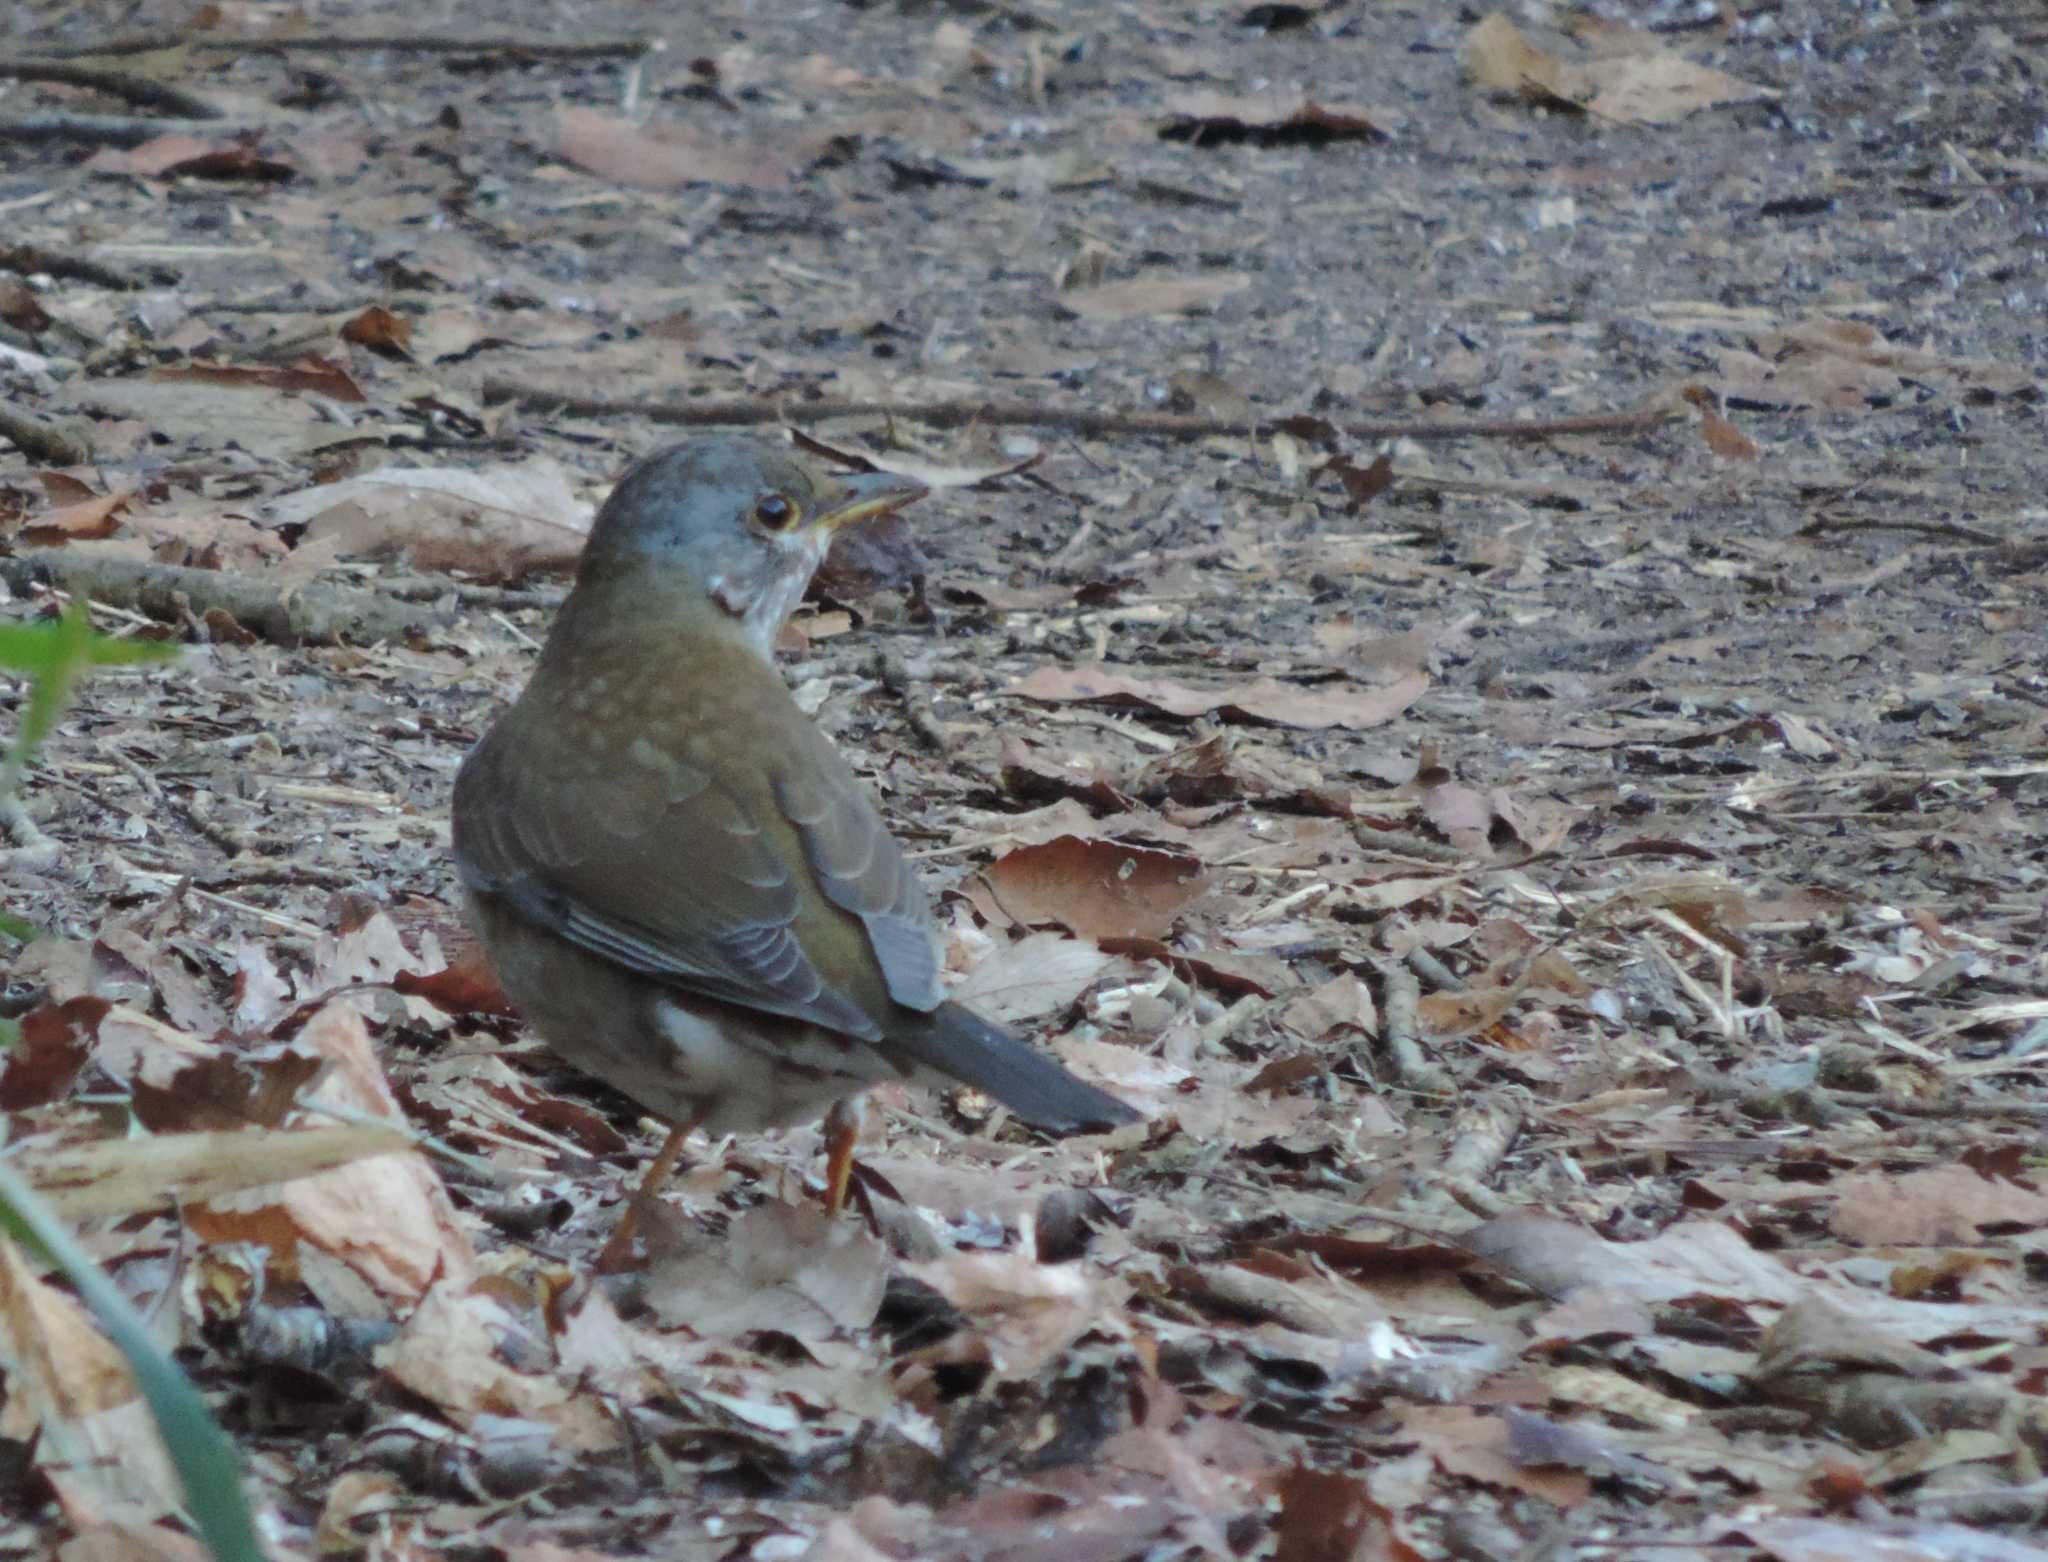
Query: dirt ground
{"points": [[1478, 656]]}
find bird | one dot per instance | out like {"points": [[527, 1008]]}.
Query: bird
{"points": [[681, 883]]}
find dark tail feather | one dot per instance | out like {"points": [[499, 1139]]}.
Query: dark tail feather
{"points": [[960, 1044]]}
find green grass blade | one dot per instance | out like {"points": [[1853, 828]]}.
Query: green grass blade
{"points": [[53, 656], [209, 1469]]}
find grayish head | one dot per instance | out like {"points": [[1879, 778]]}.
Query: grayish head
{"points": [[745, 521]]}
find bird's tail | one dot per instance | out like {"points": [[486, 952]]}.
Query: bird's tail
{"points": [[960, 1044]]}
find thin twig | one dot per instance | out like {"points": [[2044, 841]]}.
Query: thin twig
{"points": [[138, 90], [958, 413], [399, 43], [1821, 525], [505, 599]]}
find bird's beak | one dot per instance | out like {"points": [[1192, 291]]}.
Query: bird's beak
{"points": [[853, 497]]}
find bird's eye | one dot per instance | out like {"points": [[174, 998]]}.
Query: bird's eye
{"points": [[775, 512]]}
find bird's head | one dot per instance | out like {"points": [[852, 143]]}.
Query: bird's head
{"points": [[738, 525]]}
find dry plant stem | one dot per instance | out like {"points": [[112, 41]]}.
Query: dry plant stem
{"points": [[318, 615], [112, 129], [744, 412], [41, 441], [1721, 1010], [138, 90]]}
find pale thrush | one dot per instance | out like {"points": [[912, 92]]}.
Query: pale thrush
{"points": [[683, 886]]}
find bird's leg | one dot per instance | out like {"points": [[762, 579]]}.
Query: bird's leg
{"points": [[618, 1252], [842, 1133]]}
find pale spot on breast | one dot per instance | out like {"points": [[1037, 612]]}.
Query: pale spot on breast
{"points": [[649, 757]]}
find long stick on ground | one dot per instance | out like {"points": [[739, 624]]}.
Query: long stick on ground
{"points": [[746, 411]]}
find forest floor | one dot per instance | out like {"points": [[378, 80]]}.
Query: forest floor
{"points": [[1479, 656]]}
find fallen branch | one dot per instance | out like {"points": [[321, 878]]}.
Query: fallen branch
{"points": [[31, 259], [1821, 525], [138, 90], [499, 599], [749, 411], [40, 440], [401, 43], [917, 704], [314, 615], [32, 848], [1400, 1032], [111, 129]]}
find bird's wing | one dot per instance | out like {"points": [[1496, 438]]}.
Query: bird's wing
{"points": [[565, 840], [860, 869]]}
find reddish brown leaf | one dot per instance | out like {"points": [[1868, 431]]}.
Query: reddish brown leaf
{"points": [[1284, 1074], [880, 555], [1362, 484], [93, 518], [1272, 116], [56, 1041], [1288, 705], [187, 157], [1328, 1517], [466, 985], [318, 375], [225, 1091], [378, 329], [20, 308], [1096, 888]]}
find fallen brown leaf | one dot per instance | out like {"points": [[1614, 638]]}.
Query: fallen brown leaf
{"points": [[1283, 704], [1276, 115], [97, 517], [1151, 296], [1643, 88], [787, 1267], [378, 329], [1096, 888], [72, 1399], [388, 1218], [666, 156]]}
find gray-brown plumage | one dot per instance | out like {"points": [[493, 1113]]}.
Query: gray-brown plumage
{"points": [[682, 884]]}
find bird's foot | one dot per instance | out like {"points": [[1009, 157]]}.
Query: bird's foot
{"points": [[617, 1254], [842, 1134]]}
